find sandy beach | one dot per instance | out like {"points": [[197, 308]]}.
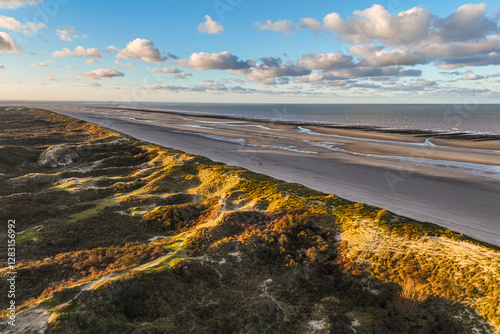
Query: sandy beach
{"points": [[453, 183]]}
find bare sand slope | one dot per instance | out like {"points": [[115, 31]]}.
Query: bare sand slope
{"points": [[456, 187]]}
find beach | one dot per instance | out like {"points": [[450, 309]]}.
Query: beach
{"points": [[453, 183]]}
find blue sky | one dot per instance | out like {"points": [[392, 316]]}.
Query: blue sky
{"points": [[250, 51]]}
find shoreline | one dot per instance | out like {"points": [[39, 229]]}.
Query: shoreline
{"points": [[443, 189], [449, 135]]}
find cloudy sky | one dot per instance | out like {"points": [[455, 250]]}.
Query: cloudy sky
{"points": [[250, 51]]}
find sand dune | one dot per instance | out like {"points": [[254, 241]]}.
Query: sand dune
{"points": [[456, 186]]}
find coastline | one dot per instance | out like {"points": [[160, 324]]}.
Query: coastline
{"points": [[129, 216], [455, 186], [446, 135]]}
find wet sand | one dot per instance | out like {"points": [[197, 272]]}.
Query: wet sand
{"points": [[453, 183]]}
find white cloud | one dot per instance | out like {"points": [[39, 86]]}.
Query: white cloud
{"points": [[102, 73], [271, 71], [391, 57], [7, 45], [12, 4], [210, 26], [14, 25], [377, 23], [141, 49], [2, 67], [172, 70], [91, 61], [472, 77], [364, 49], [183, 75], [424, 83], [203, 61], [70, 67], [413, 26], [326, 77], [311, 23], [418, 35], [79, 51], [459, 49], [69, 33], [480, 60], [42, 64], [467, 22], [264, 74], [166, 70], [111, 48], [284, 26], [51, 77], [326, 61]]}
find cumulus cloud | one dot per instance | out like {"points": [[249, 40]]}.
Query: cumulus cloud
{"points": [[423, 83], [284, 26], [91, 61], [42, 64], [472, 77], [141, 49], [210, 26], [411, 26], [460, 49], [166, 70], [377, 23], [12, 4], [203, 61], [7, 44], [328, 77], [111, 48], [480, 60], [11, 23], [364, 49], [68, 34], [172, 70], [392, 57], [79, 51], [467, 22], [333, 66], [288, 27], [183, 75], [102, 73], [272, 69], [311, 23], [313, 61], [414, 36]]}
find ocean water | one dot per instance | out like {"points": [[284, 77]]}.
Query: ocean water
{"points": [[468, 118], [474, 118]]}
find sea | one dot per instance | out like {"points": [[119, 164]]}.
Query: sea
{"points": [[470, 118]]}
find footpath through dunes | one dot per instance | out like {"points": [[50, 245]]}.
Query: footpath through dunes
{"points": [[121, 236]]}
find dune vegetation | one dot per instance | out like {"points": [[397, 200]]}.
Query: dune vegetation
{"points": [[115, 235]]}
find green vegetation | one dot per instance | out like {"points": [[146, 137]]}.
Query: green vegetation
{"points": [[121, 236]]}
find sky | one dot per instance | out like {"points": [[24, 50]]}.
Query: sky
{"points": [[283, 51]]}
